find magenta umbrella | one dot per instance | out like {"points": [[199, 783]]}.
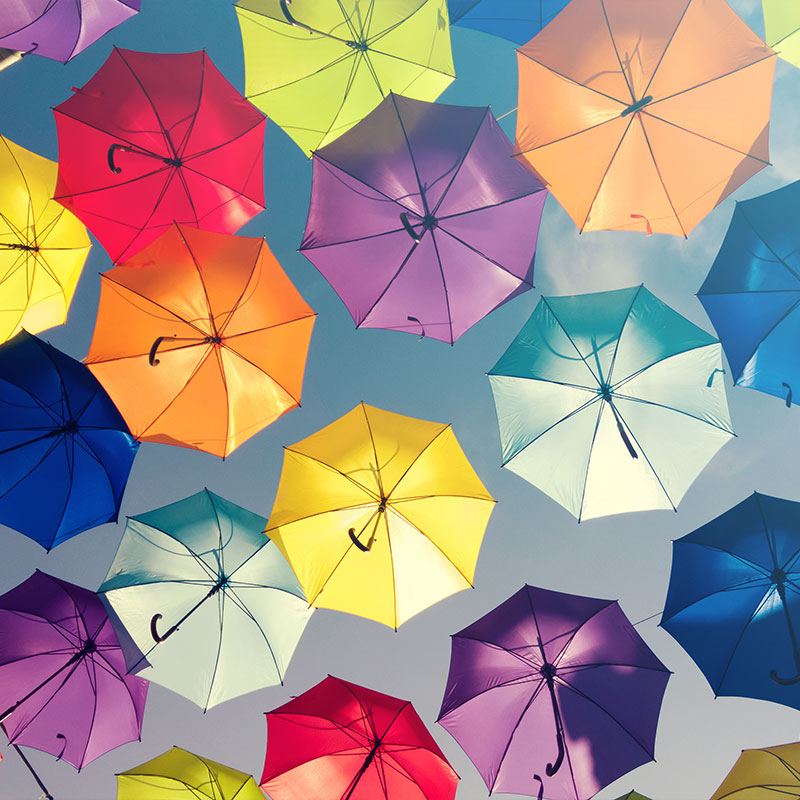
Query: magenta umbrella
{"points": [[420, 219]]}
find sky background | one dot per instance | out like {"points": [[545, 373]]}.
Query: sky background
{"points": [[530, 539]]}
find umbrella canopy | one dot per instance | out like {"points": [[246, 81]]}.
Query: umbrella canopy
{"points": [[633, 796], [782, 29], [63, 684], [340, 741], [752, 293], [734, 599], [42, 246], [516, 20], [201, 340], [65, 451], [380, 515], [157, 138], [420, 220], [610, 402], [232, 610], [631, 112], [180, 774], [60, 29], [318, 68], [771, 772], [553, 692]]}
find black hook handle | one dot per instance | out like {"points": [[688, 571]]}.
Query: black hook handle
{"points": [[551, 769], [364, 548], [289, 18], [419, 322], [63, 746], [788, 395], [409, 230], [111, 150], [784, 681], [539, 796], [631, 449], [152, 357], [154, 630]]}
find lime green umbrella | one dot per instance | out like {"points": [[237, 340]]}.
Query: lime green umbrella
{"points": [[317, 68], [782, 28], [633, 796]]}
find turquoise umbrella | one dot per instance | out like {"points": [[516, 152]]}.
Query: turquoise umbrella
{"points": [[207, 598], [610, 402]]}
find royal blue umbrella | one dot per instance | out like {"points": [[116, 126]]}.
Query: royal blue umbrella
{"points": [[734, 599], [752, 293], [515, 20], [65, 451]]}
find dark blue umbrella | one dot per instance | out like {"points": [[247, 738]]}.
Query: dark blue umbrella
{"points": [[515, 20], [752, 293], [65, 451], [734, 599]]}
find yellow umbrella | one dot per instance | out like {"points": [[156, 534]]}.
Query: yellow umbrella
{"points": [[42, 245], [772, 772], [380, 515]]}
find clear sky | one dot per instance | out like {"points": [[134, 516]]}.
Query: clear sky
{"points": [[530, 539]]}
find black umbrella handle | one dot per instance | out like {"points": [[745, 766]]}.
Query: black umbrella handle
{"points": [[539, 796], [354, 539], [409, 229], [290, 19], [788, 395], [551, 769], [110, 156]]}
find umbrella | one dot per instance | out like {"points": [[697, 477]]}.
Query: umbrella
{"points": [[420, 220], [516, 20], [781, 28], [157, 138], [9, 57], [318, 68], [223, 590], [42, 246], [734, 599], [610, 402], [553, 694], [380, 515], [632, 112], [60, 29], [201, 340], [771, 772], [63, 685], [341, 741], [65, 451], [180, 774], [752, 293], [633, 796]]}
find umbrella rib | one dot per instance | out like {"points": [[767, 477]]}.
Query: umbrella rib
{"points": [[394, 277], [484, 256], [623, 381], [238, 302], [666, 47], [616, 52], [373, 496], [237, 601], [219, 182], [513, 199], [296, 400], [199, 274], [766, 244], [374, 451], [411, 156], [622, 331], [323, 245], [652, 403], [572, 341], [444, 287], [190, 127], [749, 583], [391, 561], [221, 613], [417, 458]]}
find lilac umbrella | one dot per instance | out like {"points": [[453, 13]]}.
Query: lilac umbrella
{"points": [[553, 695], [60, 29], [421, 220]]}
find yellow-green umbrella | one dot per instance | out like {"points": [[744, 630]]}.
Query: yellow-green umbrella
{"points": [[766, 774], [782, 28]]}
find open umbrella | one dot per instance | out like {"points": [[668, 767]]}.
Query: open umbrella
{"points": [[201, 340], [610, 402], [632, 112], [42, 246], [420, 220], [516, 20], [157, 138], [734, 599], [380, 515], [752, 293], [782, 28], [341, 741], [65, 451], [318, 68], [553, 695], [770, 772], [232, 610]]}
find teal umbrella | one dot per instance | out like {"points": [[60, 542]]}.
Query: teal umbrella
{"points": [[610, 402], [207, 598]]}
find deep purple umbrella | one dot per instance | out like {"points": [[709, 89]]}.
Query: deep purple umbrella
{"points": [[553, 695], [421, 220], [63, 684], [60, 29]]}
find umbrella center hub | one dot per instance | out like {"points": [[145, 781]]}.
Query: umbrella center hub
{"points": [[382, 506], [547, 671], [89, 646], [360, 45], [637, 106], [605, 392], [214, 339], [220, 584], [69, 427], [777, 576], [173, 162], [429, 222]]}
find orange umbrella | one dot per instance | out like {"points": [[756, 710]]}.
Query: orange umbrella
{"points": [[201, 340], [644, 115]]}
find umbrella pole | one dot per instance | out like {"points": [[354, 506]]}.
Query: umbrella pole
{"points": [[792, 637], [156, 617], [46, 795], [548, 672], [364, 766]]}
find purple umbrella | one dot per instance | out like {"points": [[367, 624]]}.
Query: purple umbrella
{"points": [[421, 220], [60, 29], [63, 684], [553, 695]]}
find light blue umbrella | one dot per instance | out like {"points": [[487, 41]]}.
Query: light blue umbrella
{"points": [[515, 20]]}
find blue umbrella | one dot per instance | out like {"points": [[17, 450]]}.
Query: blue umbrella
{"points": [[65, 451], [515, 20], [752, 293], [734, 599]]}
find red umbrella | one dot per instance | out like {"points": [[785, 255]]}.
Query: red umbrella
{"points": [[340, 741], [157, 138]]}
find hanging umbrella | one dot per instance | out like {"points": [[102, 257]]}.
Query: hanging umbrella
{"points": [[633, 796], [60, 29], [771, 772], [63, 684], [42, 246], [201, 340], [9, 57], [380, 515], [632, 112], [157, 138], [515, 20], [553, 695], [752, 293], [734, 599], [180, 774], [420, 220], [610, 402], [318, 68], [341, 741], [782, 28], [223, 590], [65, 451]]}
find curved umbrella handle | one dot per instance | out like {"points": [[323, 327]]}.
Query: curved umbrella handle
{"points": [[63, 746], [111, 150], [152, 357], [409, 230], [788, 395], [539, 796], [289, 18], [551, 769], [154, 630], [784, 681], [419, 322], [354, 539]]}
